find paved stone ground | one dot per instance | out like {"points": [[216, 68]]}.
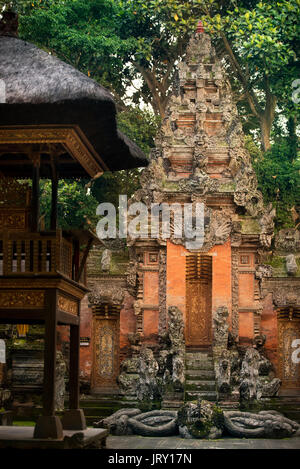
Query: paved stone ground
{"points": [[174, 442]]}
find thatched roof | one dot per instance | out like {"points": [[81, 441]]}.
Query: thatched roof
{"points": [[41, 90]]}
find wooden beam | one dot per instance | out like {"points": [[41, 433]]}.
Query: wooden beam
{"points": [[67, 319], [50, 354]]}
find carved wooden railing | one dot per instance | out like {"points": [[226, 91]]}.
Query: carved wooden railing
{"points": [[38, 253]]}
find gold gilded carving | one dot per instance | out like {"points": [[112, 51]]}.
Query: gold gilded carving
{"points": [[198, 300], [67, 305], [289, 372], [13, 193], [71, 138], [106, 352], [12, 221], [106, 362], [22, 299]]}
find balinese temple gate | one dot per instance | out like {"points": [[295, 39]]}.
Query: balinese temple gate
{"points": [[191, 321]]}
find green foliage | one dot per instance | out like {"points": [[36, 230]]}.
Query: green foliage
{"points": [[141, 126], [279, 178], [75, 207]]}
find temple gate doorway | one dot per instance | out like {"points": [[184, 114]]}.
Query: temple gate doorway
{"points": [[198, 301], [288, 333], [106, 319]]}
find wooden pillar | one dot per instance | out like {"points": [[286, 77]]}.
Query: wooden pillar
{"points": [[49, 426], [54, 191], [74, 418], [50, 356], [35, 201]]}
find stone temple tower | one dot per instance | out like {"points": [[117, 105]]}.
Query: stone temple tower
{"points": [[192, 314], [200, 157]]}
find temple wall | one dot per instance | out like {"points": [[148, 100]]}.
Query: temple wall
{"points": [[127, 326], [86, 351], [269, 329], [176, 255], [221, 279], [221, 276]]}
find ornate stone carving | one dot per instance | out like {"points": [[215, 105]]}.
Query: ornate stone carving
{"points": [[201, 419], [107, 291], [105, 260], [220, 320], [288, 240], [265, 424], [249, 375], [147, 371], [285, 294], [291, 264], [267, 226], [60, 389]]}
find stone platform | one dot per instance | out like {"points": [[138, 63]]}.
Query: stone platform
{"points": [[22, 438], [135, 442]]}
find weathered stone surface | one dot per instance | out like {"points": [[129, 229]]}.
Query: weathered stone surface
{"points": [[291, 264], [128, 383], [132, 421], [249, 375], [200, 419], [105, 260], [147, 388], [223, 373], [177, 348], [269, 388], [60, 391], [265, 424], [220, 321], [117, 423], [154, 423], [288, 240]]}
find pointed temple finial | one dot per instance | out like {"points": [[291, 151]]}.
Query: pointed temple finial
{"points": [[200, 28]]}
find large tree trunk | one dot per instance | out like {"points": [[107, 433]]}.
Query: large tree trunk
{"points": [[267, 118]]}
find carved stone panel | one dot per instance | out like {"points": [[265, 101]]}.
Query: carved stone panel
{"points": [[289, 372], [106, 353], [198, 301]]}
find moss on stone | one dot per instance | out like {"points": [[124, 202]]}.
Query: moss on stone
{"points": [[227, 187], [249, 225]]}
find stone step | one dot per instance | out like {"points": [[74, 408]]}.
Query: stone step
{"points": [[206, 395], [199, 360], [199, 374], [199, 356], [200, 385], [200, 366], [171, 405]]}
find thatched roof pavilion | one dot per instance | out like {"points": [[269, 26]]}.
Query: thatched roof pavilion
{"points": [[41, 90], [54, 123]]}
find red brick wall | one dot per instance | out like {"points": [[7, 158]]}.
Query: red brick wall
{"points": [[269, 328]]}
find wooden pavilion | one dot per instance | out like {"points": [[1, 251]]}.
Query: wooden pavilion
{"points": [[54, 123]]}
